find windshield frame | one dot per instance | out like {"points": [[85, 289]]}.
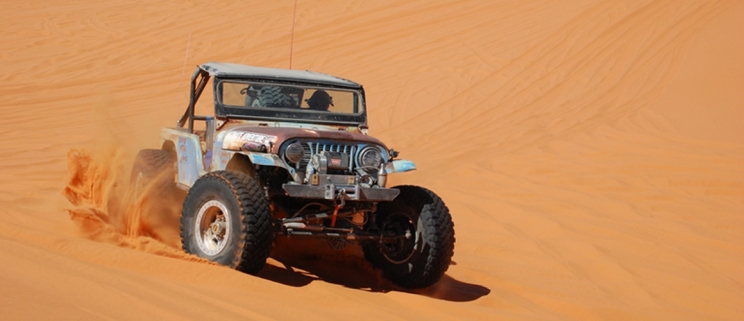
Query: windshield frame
{"points": [[286, 114]]}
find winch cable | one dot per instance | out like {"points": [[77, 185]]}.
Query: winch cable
{"points": [[335, 214]]}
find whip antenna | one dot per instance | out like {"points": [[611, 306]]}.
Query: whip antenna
{"points": [[183, 70], [291, 41]]}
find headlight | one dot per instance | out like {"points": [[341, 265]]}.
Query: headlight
{"points": [[294, 153], [370, 157]]}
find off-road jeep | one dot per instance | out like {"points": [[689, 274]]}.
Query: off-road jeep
{"points": [[287, 153]]}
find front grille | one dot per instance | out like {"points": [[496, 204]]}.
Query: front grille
{"points": [[313, 147]]}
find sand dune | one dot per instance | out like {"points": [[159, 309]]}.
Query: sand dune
{"points": [[591, 154]]}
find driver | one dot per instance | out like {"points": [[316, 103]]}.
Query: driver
{"points": [[320, 100]]}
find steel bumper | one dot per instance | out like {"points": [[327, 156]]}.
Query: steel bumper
{"points": [[349, 192]]}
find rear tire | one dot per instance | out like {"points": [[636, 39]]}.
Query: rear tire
{"points": [[152, 181], [152, 164], [420, 260], [226, 219]]}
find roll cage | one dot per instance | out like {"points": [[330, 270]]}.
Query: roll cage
{"points": [[224, 71]]}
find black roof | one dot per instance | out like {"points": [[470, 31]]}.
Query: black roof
{"points": [[231, 70]]}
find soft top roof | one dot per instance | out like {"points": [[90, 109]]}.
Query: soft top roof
{"points": [[231, 70]]}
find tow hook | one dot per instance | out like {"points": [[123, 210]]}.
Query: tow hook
{"points": [[340, 202]]}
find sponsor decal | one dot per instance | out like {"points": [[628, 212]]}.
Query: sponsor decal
{"points": [[182, 150], [238, 139], [224, 157], [187, 169]]}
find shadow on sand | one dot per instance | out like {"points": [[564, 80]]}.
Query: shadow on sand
{"points": [[298, 262]]}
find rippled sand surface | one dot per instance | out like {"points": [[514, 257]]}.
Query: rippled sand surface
{"points": [[591, 153]]}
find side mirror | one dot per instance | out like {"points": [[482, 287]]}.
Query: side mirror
{"points": [[393, 153]]}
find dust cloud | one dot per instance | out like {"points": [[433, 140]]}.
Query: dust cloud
{"points": [[110, 208]]}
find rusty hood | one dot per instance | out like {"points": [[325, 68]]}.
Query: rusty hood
{"points": [[238, 135]]}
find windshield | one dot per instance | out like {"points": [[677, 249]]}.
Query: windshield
{"points": [[284, 98]]}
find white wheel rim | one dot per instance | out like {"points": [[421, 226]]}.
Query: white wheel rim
{"points": [[212, 227]]}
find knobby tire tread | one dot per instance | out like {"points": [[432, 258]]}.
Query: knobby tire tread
{"points": [[255, 219], [152, 162], [435, 217]]}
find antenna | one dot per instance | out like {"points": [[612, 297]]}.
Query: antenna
{"points": [[183, 70], [291, 41]]}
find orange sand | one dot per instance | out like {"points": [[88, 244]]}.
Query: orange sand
{"points": [[591, 152]]}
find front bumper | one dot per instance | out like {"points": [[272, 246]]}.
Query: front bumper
{"points": [[332, 190]]}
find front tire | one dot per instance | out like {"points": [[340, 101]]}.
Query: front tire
{"points": [[226, 219], [425, 240]]}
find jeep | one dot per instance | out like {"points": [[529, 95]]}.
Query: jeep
{"points": [[287, 154]]}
